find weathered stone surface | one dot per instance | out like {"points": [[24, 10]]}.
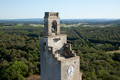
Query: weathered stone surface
{"points": [[58, 60], [74, 61]]}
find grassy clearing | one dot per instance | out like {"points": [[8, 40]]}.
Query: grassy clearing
{"points": [[1, 27], [40, 25], [18, 25]]}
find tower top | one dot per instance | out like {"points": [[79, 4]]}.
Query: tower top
{"points": [[51, 14], [51, 23]]}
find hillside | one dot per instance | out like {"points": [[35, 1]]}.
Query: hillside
{"points": [[20, 46]]}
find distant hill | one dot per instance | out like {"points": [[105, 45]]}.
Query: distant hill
{"points": [[66, 21], [89, 20], [113, 22], [31, 19], [41, 19], [22, 20], [116, 22]]}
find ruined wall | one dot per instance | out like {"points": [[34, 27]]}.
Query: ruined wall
{"points": [[57, 44], [50, 66]]}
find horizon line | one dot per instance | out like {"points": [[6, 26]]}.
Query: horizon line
{"points": [[61, 18]]}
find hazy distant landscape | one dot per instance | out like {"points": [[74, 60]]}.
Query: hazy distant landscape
{"points": [[41, 20], [64, 22], [96, 41]]}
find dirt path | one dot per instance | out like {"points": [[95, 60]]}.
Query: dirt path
{"points": [[33, 77], [116, 51]]}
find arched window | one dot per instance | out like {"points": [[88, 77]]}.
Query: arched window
{"points": [[54, 27]]}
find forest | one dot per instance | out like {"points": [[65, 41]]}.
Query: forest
{"points": [[20, 55]]}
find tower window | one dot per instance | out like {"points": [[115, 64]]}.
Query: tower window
{"points": [[56, 39], [54, 27]]}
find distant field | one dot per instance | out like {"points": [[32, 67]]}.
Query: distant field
{"points": [[117, 51], [18, 25], [1, 27], [40, 25]]}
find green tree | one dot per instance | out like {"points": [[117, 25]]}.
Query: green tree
{"points": [[15, 71]]}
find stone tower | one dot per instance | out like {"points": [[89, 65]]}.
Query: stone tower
{"points": [[58, 61]]}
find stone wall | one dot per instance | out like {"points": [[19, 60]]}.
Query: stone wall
{"points": [[74, 61]]}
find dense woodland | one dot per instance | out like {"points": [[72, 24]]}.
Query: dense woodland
{"points": [[20, 55]]}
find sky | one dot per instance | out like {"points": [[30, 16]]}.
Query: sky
{"points": [[69, 9]]}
